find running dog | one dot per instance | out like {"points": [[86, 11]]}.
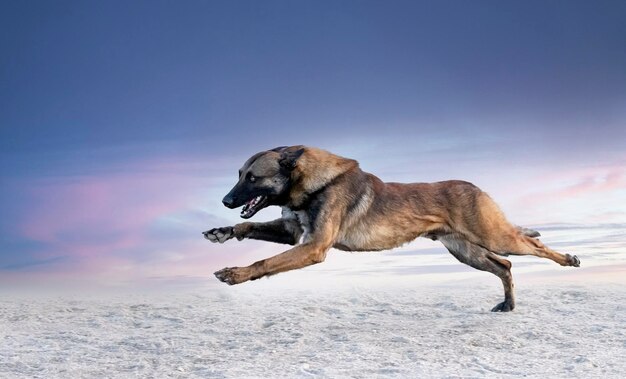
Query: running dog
{"points": [[327, 201]]}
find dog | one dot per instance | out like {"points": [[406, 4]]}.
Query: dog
{"points": [[328, 201]]}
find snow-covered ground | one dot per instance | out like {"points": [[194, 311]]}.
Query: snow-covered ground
{"points": [[413, 312], [431, 331]]}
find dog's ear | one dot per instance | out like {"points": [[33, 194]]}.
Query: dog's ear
{"points": [[289, 157], [279, 149]]}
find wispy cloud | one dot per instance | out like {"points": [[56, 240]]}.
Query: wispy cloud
{"points": [[42, 263], [580, 195], [147, 211], [586, 184]]}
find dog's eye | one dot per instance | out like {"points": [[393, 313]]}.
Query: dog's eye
{"points": [[252, 178]]}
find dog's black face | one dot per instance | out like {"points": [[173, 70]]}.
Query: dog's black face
{"points": [[265, 179]]}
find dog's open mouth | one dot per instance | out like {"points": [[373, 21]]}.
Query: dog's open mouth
{"points": [[253, 206]]}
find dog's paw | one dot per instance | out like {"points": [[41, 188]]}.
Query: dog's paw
{"points": [[572, 260], [232, 275], [220, 235], [505, 306]]}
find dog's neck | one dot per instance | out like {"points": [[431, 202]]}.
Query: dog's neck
{"points": [[315, 170]]}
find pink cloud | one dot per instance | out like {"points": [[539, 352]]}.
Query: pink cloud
{"points": [[94, 215], [595, 184], [572, 195], [585, 184]]}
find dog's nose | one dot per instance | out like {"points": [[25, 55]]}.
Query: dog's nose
{"points": [[228, 201]]}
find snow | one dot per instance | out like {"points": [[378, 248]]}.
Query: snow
{"points": [[564, 330], [410, 312]]}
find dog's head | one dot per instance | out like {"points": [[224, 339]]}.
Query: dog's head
{"points": [[265, 179]]}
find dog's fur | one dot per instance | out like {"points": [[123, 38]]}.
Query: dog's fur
{"points": [[327, 201]]}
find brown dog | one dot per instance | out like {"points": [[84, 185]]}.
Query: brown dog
{"points": [[328, 201]]}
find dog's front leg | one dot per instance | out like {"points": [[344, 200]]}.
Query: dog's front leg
{"points": [[282, 230], [298, 257], [325, 231]]}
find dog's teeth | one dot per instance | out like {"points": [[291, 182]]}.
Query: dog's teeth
{"points": [[249, 207]]}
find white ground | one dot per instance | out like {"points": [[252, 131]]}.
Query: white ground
{"points": [[411, 312], [562, 330]]}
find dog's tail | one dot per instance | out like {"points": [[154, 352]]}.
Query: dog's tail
{"points": [[529, 232]]}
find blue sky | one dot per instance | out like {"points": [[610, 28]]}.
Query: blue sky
{"points": [[123, 124]]}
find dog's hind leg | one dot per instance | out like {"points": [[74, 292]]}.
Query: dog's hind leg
{"points": [[484, 260], [514, 242], [492, 231]]}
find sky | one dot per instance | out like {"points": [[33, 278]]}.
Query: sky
{"points": [[123, 124]]}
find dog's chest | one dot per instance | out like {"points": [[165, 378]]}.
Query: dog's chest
{"points": [[303, 219]]}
